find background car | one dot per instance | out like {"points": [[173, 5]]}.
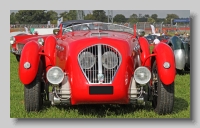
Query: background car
{"points": [[150, 38], [97, 66], [19, 39], [163, 38], [181, 51]]}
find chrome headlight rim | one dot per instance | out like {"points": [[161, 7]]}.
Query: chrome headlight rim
{"points": [[142, 70], [41, 41], [61, 76], [12, 40], [113, 55], [84, 56]]}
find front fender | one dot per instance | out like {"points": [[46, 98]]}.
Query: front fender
{"points": [[165, 54], [29, 54], [49, 50], [145, 52]]}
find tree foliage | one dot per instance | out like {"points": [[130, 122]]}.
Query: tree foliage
{"points": [[119, 18], [151, 20], [89, 17], [133, 19], [12, 18], [35, 16], [43, 16], [100, 15], [169, 17], [154, 16]]}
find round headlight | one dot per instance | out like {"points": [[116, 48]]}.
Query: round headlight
{"points": [[109, 60], [87, 60], [12, 40], [142, 75], [41, 41], [55, 75]]}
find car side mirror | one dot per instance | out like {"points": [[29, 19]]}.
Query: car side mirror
{"points": [[55, 31]]}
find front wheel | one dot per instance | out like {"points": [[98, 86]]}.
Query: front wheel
{"points": [[33, 93], [163, 95]]}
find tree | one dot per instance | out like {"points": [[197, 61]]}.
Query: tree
{"points": [[12, 18], [64, 15], [133, 19], [151, 20], [72, 15], [52, 16], [31, 16], [154, 16], [169, 17], [146, 16], [100, 15], [119, 18], [89, 17]]}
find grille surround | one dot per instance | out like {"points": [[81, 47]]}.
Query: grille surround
{"points": [[92, 74]]}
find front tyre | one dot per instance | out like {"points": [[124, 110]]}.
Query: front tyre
{"points": [[33, 93], [18, 58], [163, 95]]}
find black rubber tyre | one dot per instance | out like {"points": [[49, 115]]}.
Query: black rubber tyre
{"points": [[33, 98], [18, 57], [163, 95]]}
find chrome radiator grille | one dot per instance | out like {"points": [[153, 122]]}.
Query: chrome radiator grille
{"points": [[20, 46], [99, 60]]}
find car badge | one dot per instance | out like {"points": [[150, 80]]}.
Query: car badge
{"points": [[100, 78]]}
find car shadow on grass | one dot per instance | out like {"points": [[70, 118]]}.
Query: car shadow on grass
{"points": [[180, 104], [109, 110], [182, 72], [102, 110]]}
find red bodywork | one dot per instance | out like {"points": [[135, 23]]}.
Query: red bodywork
{"points": [[21, 40], [64, 52]]}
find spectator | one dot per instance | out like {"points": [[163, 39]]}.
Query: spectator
{"points": [[26, 29], [156, 40]]}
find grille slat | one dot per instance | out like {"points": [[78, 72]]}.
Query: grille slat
{"points": [[91, 74], [20, 46]]}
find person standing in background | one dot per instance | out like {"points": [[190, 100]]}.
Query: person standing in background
{"points": [[26, 29], [156, 40]]}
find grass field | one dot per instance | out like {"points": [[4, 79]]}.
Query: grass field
{"points": [[181, 104]]}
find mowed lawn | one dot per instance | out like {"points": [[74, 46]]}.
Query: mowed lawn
{"points": [[181, 103]]}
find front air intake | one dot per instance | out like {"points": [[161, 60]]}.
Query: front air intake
{"points": [[99, 63]]}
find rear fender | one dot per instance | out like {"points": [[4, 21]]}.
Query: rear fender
{"points": [[145, 52], [165, 54], [29, 56]]}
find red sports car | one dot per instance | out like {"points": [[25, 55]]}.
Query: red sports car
{"points": [[98, 63]]}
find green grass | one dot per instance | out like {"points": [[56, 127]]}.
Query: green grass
{"points": [[181, 103]]}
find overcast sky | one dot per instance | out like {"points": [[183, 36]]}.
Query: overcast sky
{"points": [[127, 13]]}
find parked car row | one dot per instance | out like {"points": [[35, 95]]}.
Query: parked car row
{"points": [[180, 47], [95, 66], [162, 38]]}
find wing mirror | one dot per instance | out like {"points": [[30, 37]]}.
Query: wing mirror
{"points": [[55, 31]]}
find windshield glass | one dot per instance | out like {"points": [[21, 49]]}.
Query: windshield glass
{"points": [[98, 26]]}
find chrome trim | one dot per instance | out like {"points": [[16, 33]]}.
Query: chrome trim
{"points": [[99, 60], [19, 46], [17, 52], [27, 65], [166, 65], [179, 58]]}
